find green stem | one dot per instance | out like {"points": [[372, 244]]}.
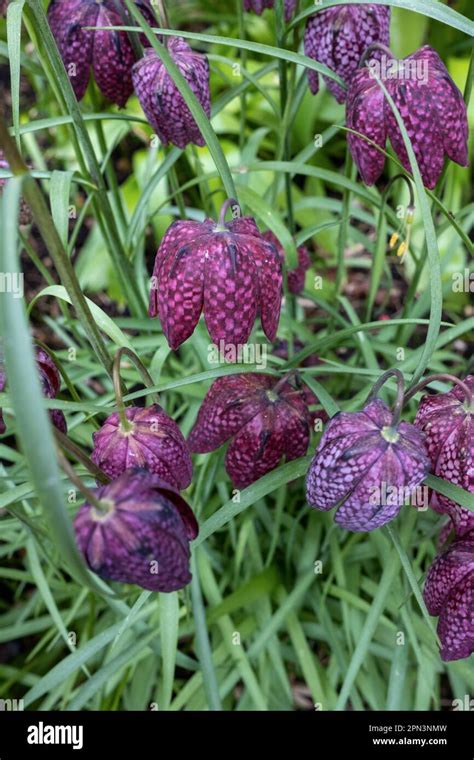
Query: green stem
{"points": [[345, 215], [54, 245], [80, 456], [446, 377], [380, 241], [397, 409], [84, 490]]}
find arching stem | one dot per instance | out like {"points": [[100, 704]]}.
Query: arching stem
{"points": [[80, 455], [397, 408], [145, 375], [375, 46], [230, 203], [448, 378]]}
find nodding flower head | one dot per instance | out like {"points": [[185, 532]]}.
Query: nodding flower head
{"points": [[152, 441], [161, 100], [141, 536], [430, 104], [50, 381], [449, 593], [447, 421], [366, 466], [228, 270], [108, 53], [266, 419], [338, 37]]}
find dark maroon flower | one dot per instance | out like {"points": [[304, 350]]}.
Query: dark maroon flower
{"points": [[161, 100], [430, 104], [367, 466], [449, 593], [338, 37], [295, 277], [4, 7], [258, 6], [280, 349], [154, 442], [143, 534], [50, 380], [226, 270], [447, 420], [109, 53], [267, 419], [24, 214]]}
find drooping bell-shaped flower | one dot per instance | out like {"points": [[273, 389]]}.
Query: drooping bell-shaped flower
{"points": [[266, 418], [108, 53], [161, 100], [141, 535], [152, 441], [430, 104], [228, 270], [24, 215], [258, 6], [449, 593], [50, 381], [338, 37], [295, 277], [447, 420], [367, 465]]}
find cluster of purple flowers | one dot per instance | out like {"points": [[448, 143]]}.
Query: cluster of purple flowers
{"points": [[341, 38], [139, 528]]}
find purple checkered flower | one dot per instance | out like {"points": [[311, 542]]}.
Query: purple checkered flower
{"points": [[50, 381], [337, 37], [366, 466], [266, 418], [24, 215], [295, 277], [141, 535], [449, 593], [109, 53], [447, 421], [161, 100], [430, 104], [258, 6], [152, 442], [226, 270]]}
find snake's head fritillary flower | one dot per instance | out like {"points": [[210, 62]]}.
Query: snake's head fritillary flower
{"points": [[152, 441], [295, 277], [50, 381], [161, 100], [430, 104], [226, 270], [449, 593], [258, 6], [338, 37], [266, 418], [108, 53], [447, 420], [141, 536], [24, 215], [368, 466]]}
